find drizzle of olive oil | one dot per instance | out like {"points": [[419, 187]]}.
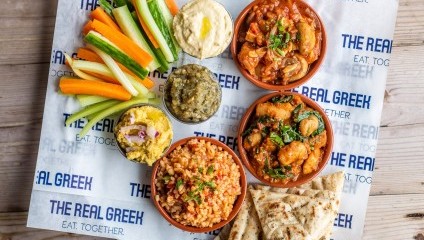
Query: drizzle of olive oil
{"points": [[205, 29]]}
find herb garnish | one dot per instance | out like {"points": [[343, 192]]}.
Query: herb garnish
{"points": [[278, 173], [289, 134], [253, 125], [279, 40], [280, 26], [298, 36], [301, 116], [166, 178], [200, 169], [179, 183], [275, 138], [282, 99], [210, 170], [193, 196]]}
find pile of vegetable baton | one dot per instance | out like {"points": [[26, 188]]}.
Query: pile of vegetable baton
{"points": [[125, 41]]}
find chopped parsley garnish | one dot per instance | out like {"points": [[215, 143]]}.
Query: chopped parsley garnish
{"points": [[179, 183], [279, 40], [210, 170], [210, 184], [298, 36], [200, 169], [166, 178], [193, 196], [280, 52], [280, 26]]}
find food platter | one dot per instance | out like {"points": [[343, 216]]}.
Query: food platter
{"points": [[90, 130]]}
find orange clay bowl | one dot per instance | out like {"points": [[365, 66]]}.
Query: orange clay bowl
{"points": [[302, 178], [313, 68], [237, 203]]}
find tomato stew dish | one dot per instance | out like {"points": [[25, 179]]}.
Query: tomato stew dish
{"points": [[279, 40]]}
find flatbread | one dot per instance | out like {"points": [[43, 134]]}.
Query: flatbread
{"points": [[333, 182], [246, 225], [289, 216], [320, 196], [299, 213]]}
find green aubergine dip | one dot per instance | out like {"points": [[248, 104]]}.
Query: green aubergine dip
{"points": [[191, 94]]}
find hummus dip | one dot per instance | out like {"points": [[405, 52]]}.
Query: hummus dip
{"points": [[203, 28], [144, 134]]}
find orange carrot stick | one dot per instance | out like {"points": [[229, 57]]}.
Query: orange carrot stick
{"points": [[124, 43], [88, 55], [147, 82], [79, 86], [103, 77], [102, 16], [146, 29], [87, 27], [173, 7]]}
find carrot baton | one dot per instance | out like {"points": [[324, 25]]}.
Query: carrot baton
{"points": [[145, 28], [102, 16], [87, 27], [86, 54], [104, 70], [147, 82], [173, 7], [124, 43], [81, 86]]}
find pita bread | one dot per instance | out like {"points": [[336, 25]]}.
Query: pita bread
{"points": [[333, 182], [289, 216], [246, 225], [319, 197]]}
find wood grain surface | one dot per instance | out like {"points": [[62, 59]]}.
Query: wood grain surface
{"points": [[396, 205]]}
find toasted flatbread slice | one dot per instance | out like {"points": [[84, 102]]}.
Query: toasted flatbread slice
{"points": [[289, 216], [246, 225], [332, 182], [282, 218]]}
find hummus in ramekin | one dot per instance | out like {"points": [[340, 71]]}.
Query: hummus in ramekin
{"points": [[203, 28], [144, 133]]}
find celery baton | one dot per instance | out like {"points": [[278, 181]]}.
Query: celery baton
{"points": [[109, 111], [90, 110]]}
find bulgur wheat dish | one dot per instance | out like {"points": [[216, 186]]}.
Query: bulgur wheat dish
{"points": [[198, 183]]}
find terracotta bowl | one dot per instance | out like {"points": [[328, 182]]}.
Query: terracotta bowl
{"points": [[235, 48], [237, 203], [302, 178]]}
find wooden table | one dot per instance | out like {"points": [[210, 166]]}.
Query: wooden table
{"points": [[396, 204]]}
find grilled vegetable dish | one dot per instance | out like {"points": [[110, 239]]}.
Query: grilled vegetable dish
{"points": [[279, 41], [284, 139]]}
